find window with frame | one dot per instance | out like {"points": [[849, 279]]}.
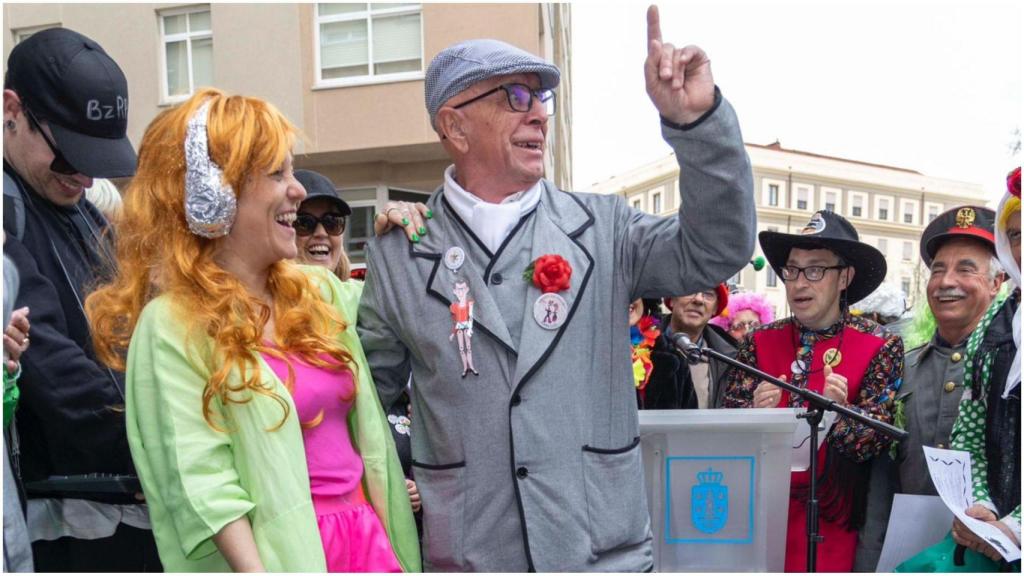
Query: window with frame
{"points": [[933, 212], [801, 198], [773, 194], [883, 208], [883, 246], [908, 214], [368, 40], [830, 201], [656, 203], [637, 204], [905, 285], [187, 51], [857, 206], [772, 280], [908, 250]]}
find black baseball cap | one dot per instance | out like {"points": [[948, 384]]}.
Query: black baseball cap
{"points": [[319, 186], [70, 82]]}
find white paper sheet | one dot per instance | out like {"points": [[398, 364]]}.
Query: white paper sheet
{"points": [[951, 474], [915, 523], [801, 455]]}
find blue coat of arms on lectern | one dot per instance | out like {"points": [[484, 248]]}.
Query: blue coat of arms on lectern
{"points": [[709, 502]]}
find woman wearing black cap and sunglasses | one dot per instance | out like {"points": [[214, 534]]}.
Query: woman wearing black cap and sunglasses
{"points": [[319, 224]]}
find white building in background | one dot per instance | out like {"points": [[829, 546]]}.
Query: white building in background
{"points": [[889, 206]]}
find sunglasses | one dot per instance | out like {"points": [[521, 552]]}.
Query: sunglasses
{"points": [[520, 98], [60, 164], [305, 224]]}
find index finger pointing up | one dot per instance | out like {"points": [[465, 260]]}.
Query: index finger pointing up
{"points": [[653, 24]]}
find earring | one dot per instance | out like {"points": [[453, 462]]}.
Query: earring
{"points": [[10, 125]]}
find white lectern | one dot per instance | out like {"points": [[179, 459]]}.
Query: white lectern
{"points": [[718, 487]]}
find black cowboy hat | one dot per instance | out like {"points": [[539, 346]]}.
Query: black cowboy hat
{"points": [[963, 221], [830, 231]]}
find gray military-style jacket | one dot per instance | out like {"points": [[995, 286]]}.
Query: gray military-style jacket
{"points": [[932, 388], [535, 463]]}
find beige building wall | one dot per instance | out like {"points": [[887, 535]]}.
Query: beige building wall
{"points": [[796, 175], [369, 138]]}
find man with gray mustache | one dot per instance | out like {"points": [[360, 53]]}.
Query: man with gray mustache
{"points": [[965, 276]]}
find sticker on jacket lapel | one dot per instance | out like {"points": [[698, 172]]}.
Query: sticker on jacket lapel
{"points": [[454, 258], [462, 323], [550, 311], [797, 367]]}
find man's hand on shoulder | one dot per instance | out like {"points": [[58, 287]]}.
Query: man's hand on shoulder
{"points": [[679, 80]]}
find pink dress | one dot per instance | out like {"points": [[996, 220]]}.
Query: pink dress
{"points": [[353, 537]]}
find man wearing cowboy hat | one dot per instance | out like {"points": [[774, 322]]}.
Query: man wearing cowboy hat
{"points": [[958, 249], [823, 348], [675, 383]]}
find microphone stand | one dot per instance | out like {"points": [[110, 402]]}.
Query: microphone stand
{"points": [[819, 405]]}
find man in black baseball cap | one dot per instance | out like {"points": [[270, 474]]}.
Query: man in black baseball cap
{"points": [[65, 117]]}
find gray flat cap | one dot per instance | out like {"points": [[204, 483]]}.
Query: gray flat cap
{"points": [[461, 65]]}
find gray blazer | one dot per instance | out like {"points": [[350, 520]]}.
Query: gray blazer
{"points": [[534, 464]]}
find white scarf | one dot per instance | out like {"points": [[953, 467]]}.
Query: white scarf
{"points": [[491, 223], [1011, 267]]}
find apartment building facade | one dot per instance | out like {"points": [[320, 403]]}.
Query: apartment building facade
{"points": [[889, 206], [349, 75]]}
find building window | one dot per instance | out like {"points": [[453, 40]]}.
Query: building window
{"points": [[857, 205], [883, 246], [801, 199], [369, 40], [908, 209], [830, 201], [773, 194], [772, 281], [187, 51], [637, 203], [908, 251], [656, 203], [905, 285], [358, 232], [933, 211], [883, 208]]}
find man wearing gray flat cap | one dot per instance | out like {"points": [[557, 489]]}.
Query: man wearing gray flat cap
{"points": [[511, 314]]}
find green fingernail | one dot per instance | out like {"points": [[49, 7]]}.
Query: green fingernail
{"points": [[430, 214], [422, 231], [405, 221], [415, 238]]}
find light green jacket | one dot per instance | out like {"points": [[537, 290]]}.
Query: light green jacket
{"points": [[198, 479]]}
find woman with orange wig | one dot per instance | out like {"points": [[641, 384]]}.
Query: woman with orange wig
{"points": [[252, 418]]}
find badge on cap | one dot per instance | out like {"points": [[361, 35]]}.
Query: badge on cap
{"points": [[965, 217], [832, 357], [816, 225], [454, 258], [550, 311]]}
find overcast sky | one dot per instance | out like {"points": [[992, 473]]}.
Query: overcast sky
{"points": [[930, 86]]}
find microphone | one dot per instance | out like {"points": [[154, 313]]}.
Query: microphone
{"points": [[686, 347]]}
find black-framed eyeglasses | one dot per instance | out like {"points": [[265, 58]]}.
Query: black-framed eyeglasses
{"points": [[812, 273], [520, 97], [305, 224], [60, 164]]}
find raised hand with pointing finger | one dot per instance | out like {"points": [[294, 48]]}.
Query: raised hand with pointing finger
{"points": [[679, 80]]}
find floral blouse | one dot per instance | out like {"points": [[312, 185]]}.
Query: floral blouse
{"points": [[879, 385]]}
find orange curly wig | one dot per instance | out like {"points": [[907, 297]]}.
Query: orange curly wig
{"points": [[157, 254]]}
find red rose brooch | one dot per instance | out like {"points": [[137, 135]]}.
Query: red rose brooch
{"points": [[550, 273]]}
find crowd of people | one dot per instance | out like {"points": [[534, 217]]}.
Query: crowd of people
{"points": [[193, 381]]}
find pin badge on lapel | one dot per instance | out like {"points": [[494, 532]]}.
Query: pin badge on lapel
{"points": [[832, 357], [797, 367], [462, 323], [550, 311], [454, 258]]}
